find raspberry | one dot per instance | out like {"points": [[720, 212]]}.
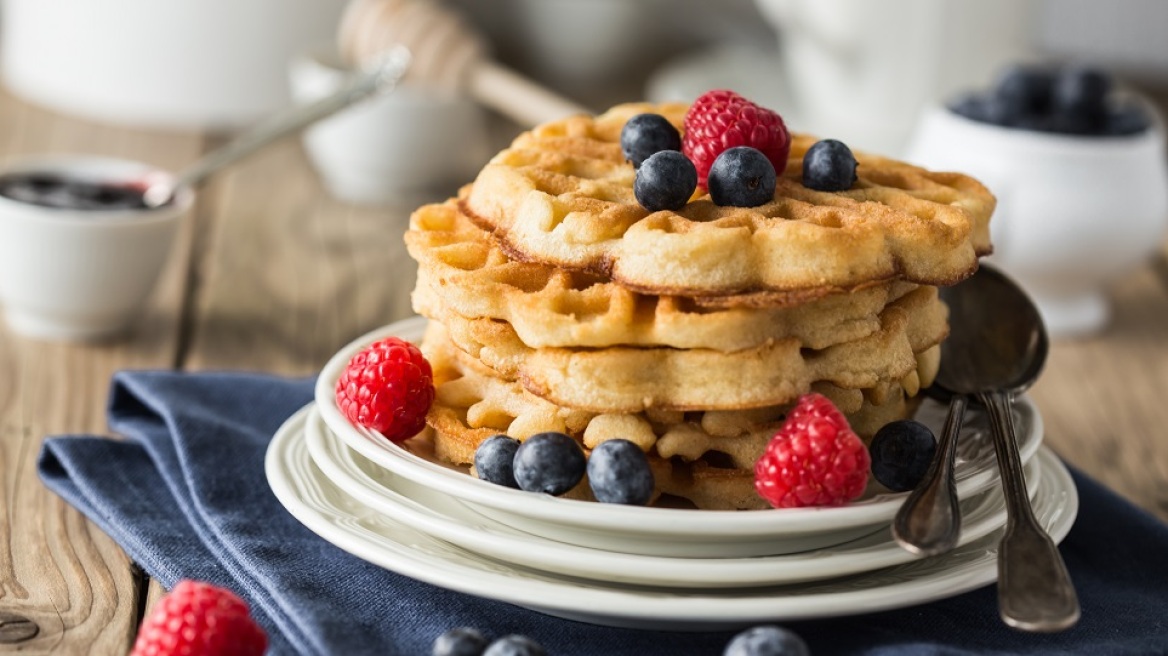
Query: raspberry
{"points": [[199, 619], [813, 460], [719, 120], [388, 387]]}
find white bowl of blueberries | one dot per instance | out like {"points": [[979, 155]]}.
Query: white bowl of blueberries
{"points": [[1079, 171], [80, 249]]}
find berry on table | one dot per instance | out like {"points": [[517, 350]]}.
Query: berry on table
{"points": [[815, 459], [742, 177], [515, 645], [552, 463], [665, 181], [767, 641], [199, 619], [387, 387], [461, 641], [720, 120], [829, 165], [901, 453], [618, 472], [494, 460], [646, 134]]}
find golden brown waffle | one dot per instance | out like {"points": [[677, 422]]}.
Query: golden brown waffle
{"points": [[629, 379], [562, 195], [706, 457], [462, 269]]}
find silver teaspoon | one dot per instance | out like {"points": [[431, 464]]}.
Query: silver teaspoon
{"points": [[996, 348]]}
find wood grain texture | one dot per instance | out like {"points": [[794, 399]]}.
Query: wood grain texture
{"points": [[289, 275], [1103, 397], [56, 568]]}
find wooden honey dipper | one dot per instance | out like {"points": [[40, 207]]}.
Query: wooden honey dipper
{"points": [[446, 53]]}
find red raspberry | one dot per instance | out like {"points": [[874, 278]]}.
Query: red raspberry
{"points": [[387, 387], [814, 459], [199, 619], [722, 119]]}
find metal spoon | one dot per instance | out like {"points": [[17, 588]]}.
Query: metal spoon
{"points": [[929, 522], [379, 77], [996, 348]]}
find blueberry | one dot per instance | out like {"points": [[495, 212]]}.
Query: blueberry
{"points": [[1126, 120], [646, 134], [618, 472], [463, 641], [515, 645], [983, 109], [493, 460], [829, 166], [901, 452], [1080, 99], [549, 462], [665, 181], [767, 641], [1024, 90], [742, 177]]}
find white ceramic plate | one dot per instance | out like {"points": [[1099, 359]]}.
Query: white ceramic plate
{"points": [[335, 516], [664, 531], [430, 512]]}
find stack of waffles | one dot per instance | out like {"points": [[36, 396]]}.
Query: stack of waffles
{"points": [[558, 303]]}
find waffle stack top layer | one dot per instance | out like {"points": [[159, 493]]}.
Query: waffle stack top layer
{"points": [[562, 195], [559, 303]]}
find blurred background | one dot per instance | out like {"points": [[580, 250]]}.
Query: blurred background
{"points": [[860, 71], [193, 64]]}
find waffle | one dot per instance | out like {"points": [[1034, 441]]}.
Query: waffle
{"points": [[462, 268], [704, 457], [627, 379], [562, 195]]}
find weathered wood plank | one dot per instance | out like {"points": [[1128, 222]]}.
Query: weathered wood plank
{"points": [[57, 569], [1103, 397], [289, 274]]}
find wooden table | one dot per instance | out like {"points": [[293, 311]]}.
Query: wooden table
{"points": [[271, 274]]}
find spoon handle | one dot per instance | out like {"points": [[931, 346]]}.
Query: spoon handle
{"points": [[929, 522], [379, 77], [1034, 589]]}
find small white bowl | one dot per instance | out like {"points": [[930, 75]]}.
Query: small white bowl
{"points": [[1074, 212], [391, 149], [82, 275]]}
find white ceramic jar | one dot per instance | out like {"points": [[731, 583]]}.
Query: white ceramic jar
{"points": [[395, 149], [179, 64], [860, 71], [82, 275], [1074, 212]]}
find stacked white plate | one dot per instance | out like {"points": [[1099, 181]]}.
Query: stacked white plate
{"points": [[633, 566]]}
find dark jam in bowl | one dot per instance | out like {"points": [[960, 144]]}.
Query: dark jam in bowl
{"points": [[69, 193]]}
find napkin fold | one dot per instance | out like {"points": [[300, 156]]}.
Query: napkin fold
{"points": [[185, 495]]}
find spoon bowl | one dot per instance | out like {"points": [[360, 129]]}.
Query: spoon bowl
{"points": [[997, 339]]}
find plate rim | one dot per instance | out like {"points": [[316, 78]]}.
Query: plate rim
{"points": [[673, 609], [661, 522], [665, 571]]}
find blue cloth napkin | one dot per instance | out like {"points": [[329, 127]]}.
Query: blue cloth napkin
{"points": [[185, 495]]}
